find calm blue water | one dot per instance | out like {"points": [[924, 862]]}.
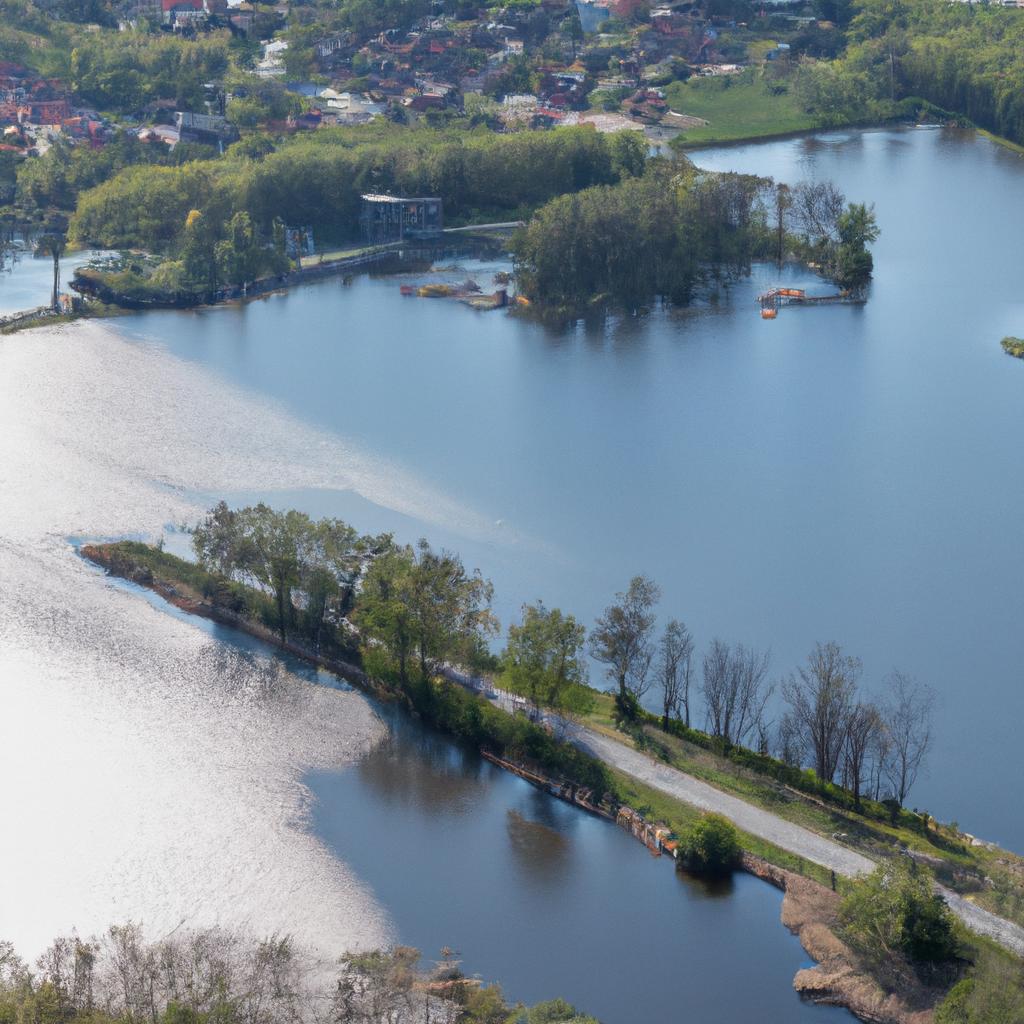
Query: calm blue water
{"points": [[847, 474]]}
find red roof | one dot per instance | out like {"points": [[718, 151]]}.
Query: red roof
{"points": [[170, 5]]}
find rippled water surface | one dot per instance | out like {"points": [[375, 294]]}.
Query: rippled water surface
{"points": [[844, 473]]}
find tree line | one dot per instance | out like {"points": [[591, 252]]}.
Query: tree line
{"points": [[319, 180], [946, 59], [213, 976], [873, 747], [420, 612], [659, 235]]}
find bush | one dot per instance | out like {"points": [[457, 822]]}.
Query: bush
{"points": [[711, 846], [993, 993], [895, 912]]}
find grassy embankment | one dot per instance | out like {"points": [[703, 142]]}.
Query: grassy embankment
{"points": [[736, 107], [992, 877], [450, 708]]}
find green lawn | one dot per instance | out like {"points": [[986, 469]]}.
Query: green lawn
{"points": [[736, 107]]}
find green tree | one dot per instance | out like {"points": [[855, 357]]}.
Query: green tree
{"points": [[198, 253], [544, 657], [858, 228], [895, 913], [621, 637], [383, 611], [260, 544], [711, 846]]}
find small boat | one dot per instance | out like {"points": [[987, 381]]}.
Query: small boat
{"points": [[768, 313], [407, 289]]}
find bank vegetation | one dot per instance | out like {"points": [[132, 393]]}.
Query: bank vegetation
{"points": [[215, 976]]}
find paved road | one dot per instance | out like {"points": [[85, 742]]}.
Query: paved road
{"points": [[758, 822]]}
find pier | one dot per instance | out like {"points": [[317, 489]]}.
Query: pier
{"points": [[770, 301]]}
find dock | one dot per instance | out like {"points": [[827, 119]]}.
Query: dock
{"points": [[771, 300]]}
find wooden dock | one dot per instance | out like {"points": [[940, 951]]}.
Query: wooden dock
{"points": [[771, 300]]}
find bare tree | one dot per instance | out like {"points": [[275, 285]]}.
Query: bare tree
{"points": [[734, 689], [881, 748], [621, 637], [863, 724], [675, 667], [789, 741], [820, 696], [815, 208], [908, 714]]}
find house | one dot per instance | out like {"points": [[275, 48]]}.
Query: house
{"points": [[394, 218], [182, 12], [349, 108], [272, 64], [208, 129]]}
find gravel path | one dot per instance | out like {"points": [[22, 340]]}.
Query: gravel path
{"points": [[782, 833], [763, 824]]}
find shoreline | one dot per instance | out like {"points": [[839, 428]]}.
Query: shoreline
{"points": [[808, 908]]}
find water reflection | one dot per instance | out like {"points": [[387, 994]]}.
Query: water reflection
{"points": [[540, 851]]}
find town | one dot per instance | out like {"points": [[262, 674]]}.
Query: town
{"points": [[523, 66]]}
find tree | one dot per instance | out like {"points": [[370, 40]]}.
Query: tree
{"points": [[675, 668], [857, 228], [820, 697], [53, 243], [544, 657], [735, 690], [711, 846], [993, 993], [908, 712], [450, 608], [257, 542], [330, 561], [895, 913], [384, 611], [197, 253], [621, 637], [863, 725]]}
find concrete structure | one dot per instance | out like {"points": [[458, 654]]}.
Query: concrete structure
{"points": [[394, 218]]}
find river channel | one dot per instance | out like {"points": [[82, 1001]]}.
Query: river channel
{"points": [[843, 473]]}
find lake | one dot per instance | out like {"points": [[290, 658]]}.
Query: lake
{"points": [[842, 473]]}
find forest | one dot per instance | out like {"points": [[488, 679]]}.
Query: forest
{"points": [[660, 235], [318, 180], [962, 60]]}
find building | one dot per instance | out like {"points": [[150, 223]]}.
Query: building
{"points": [[183, 12], [394, 218], [208, 129]]}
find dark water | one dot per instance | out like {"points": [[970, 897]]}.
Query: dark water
{"points": [[549, 900], [847, 474], [533, 893]]}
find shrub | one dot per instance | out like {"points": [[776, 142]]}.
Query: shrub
{"points": [[711, 846], [895, 912]]}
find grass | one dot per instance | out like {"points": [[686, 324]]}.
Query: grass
{"points": [[736, 107], [657, 806], [994, 879], [1000, 141]]}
